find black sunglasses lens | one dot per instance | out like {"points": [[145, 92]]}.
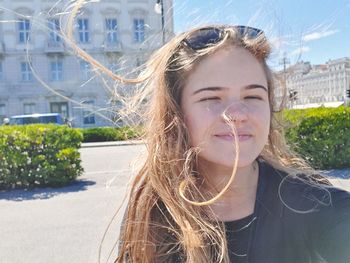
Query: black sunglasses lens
{"points": [[204, 37], [212, 35], [249, 32]]}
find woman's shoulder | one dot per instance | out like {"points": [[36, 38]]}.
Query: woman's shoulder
{"points": [[308, 208], [303, 191], [295, 178]]}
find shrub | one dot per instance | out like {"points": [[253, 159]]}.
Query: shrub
{"points": [[103, 134], [39, 155], [321, 135]]}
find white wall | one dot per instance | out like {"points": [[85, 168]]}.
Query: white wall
{"points": [[14, 92]]}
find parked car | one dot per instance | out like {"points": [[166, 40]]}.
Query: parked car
{"points": [[55, 118]]}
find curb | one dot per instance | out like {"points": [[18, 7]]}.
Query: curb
{"points": [[109, 144]]}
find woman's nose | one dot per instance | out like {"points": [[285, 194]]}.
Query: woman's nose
{"points": [[236, 111]]}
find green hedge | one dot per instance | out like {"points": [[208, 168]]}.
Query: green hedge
{"points": [[321, 135], [103, 134], [39, 155]]}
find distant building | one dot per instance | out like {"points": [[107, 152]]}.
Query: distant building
{"points": [[121, 34], [316, 85]]}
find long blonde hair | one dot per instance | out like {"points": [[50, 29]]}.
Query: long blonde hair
{"points": [[160, 225]]}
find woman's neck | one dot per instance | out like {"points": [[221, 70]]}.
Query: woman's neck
{"points": [[239, 200]]}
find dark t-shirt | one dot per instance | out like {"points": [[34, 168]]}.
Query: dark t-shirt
{"points": [[238, 234], [294, 220]]}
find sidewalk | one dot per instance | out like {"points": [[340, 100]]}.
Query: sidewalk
{"points": [[111, 143], [338, 173]]}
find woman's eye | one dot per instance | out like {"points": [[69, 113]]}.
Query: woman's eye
{"points": [[253, 97], [210, 99]]}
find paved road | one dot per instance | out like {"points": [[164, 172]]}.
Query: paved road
{"points": [[67, 224]]}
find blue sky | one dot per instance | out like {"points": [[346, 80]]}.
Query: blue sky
{"points": [[307, 30]]}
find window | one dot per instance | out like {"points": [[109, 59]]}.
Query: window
{"points": [[2, 112], [2, 109], [23, 29], [88, 114], [26, 72], [29, 108], [139, 30], [1, 71], [85, 70], [111, 28], [56, 70], [54, 27], [61, 108], [83, 30], [114, 67]]}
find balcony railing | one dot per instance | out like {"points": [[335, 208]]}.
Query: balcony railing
{"points": [[54, 47], [112, 47], [2, 48]]}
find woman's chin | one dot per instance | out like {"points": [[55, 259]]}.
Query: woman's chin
{"points": [[226, 163]]}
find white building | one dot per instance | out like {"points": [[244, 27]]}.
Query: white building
{"points": [[317, 85], [120, 34]]}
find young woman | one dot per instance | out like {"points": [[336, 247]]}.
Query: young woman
{"points": [[219, 184]]}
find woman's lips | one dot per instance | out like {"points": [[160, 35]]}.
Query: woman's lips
{"points": [[230, 137]]}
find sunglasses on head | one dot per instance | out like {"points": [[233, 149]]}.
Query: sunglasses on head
{"points": [[204, 37]]}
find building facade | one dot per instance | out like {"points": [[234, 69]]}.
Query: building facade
{"points": [[316, 85], [41, 73]]}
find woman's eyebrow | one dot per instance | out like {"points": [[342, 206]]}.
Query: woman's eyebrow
{"points": [[251, 86], [255, 86], [207, 89]]}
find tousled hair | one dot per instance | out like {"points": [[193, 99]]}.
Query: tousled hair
{"points": [[159, 224]]}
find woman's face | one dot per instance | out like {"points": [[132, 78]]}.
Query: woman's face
{"points": [[231, 82]]}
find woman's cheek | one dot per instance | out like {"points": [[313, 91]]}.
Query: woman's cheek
{"points": [[263, 111], [214, 108]]}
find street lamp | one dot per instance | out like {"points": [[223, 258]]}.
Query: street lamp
{"points": [[159, 9], [293, 96], [284, 61]]}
